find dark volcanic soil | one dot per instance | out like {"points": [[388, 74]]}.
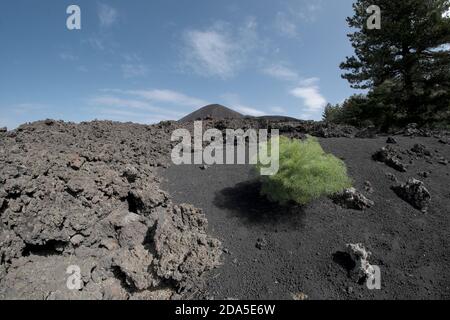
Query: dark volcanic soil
{"points": [[275, 252]]}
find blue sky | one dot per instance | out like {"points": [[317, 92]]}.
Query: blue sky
{"points": [[146, 61]]}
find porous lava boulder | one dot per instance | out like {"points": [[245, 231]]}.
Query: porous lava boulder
{"points": [[415, 193], [362, 270], [390, 157], [183, 249], [352, 199]]}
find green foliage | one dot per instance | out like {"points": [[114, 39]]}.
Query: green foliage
{"points": [[405, 66], [351, 112], [332, 113], [306, 172]]}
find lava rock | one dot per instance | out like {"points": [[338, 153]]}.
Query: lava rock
{"points": [[75, 162], [130, 173], [352, 199], [261, 243], [135, 265], [113, 290], [11, 134], [87, 194], [360, 257], [299, 296], [368, 187], [412, 129], [391, 177], [421, 150], [367, 133], [182, 258], [415, 193], [76, 240], [390, 157], [391, 140], [425, 174]]}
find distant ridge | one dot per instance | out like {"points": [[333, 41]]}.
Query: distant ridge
{"points": [[212, 111], [277, 118]]}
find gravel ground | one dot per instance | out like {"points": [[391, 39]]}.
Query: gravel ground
{"points": [[274, 252]]}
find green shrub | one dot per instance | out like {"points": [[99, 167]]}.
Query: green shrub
{"points": [[306, 172]]}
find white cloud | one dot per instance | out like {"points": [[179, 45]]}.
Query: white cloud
{"points": [[309, 82], [312, 100], [220, 50], [132, 57], [286, 25], [133, 70], [95, 42], [133, 66], [169, 96], [141, 105], [66, 56], [305, 11], [284, 73], [281, 72], [82, 68], [107, 15], [127, 104], [311, 97], [248, 111], [127, 116], [112, 101], [294, 13], [210, 53], [233, 102], [306, 89]]}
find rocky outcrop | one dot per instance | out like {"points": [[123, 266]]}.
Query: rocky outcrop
{"points": [[360, 256], [87, 195], [413, 130], [390, 157], [352, 199], [421, 150], [415, 193], [183, 249]]}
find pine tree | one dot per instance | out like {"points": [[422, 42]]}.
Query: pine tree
{"points": [[405, 65]]}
